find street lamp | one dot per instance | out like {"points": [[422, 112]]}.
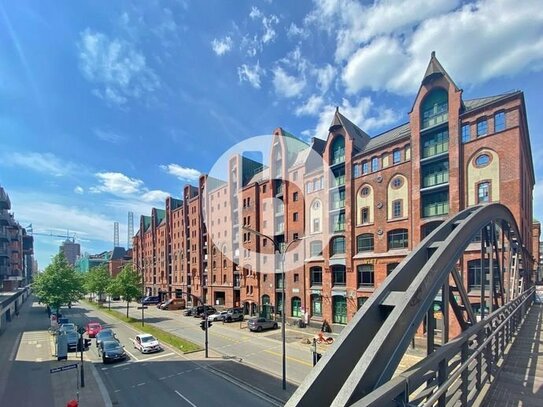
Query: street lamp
{"points": [[282, 251]]}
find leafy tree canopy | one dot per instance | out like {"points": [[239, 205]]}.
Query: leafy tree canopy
{"points": [[59, 284], [127, 284], [97, 280]]}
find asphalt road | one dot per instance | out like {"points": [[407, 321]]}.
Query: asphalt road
{"points": [[165, 378], [262, 350]]}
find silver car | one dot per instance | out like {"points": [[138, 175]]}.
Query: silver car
{"points": [[218, 316], [259, 324]]}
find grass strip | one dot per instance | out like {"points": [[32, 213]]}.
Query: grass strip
{"points": [[163, 336]]}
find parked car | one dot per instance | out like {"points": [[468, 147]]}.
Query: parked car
{"points": [[234, 315], [155, 299], [93, 328], [111, 351], [72, 340], [173, 304], [70, 326], [147, 343], [218, 316], [200, 311], [106, 334], [259, 324], [189, 312]]}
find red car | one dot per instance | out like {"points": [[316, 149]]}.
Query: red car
{"points": [[93, 328]]}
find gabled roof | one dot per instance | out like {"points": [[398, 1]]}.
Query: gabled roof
{"points": [[118, 253], [146, 222], [176, 203], [473, 104], [435, 69], [160, 215], [359, 137], [390, 136]]}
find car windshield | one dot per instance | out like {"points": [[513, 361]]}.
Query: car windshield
{"points": [[111, 345], [94, 326], [148, 339], [104, 333]]}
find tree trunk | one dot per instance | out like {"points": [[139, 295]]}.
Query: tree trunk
{"points": [[127, 303]]}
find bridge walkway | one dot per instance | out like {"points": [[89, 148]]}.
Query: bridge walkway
{"points": [[520, 380]]}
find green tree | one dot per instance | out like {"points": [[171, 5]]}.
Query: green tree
{"points": [[59, 284], [98, 280], [128, 285]]}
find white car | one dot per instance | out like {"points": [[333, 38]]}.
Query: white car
{"points": [[218, 316], [147, 343]]}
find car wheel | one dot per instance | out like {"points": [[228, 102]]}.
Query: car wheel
{"points": [[104, 361], [274, 326], [259, 329]]}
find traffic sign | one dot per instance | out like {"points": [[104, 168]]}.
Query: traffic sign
{"points": [[143, 307], [63, 368]]}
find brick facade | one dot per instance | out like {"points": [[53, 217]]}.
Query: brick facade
{"points": [[360, 207]]}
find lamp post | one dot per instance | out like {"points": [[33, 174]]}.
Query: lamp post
{"points": [[282, 250]]}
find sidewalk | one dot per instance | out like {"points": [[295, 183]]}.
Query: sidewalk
{"points": [[36, 352]]}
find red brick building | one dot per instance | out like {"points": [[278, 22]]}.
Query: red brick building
{"points": [[360, 203]]}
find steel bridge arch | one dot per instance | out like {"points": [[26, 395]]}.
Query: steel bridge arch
{"points": [[370, 347]]}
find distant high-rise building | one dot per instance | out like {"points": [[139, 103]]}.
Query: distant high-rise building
{"points": [[71, 251]]}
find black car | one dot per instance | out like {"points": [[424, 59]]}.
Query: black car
{"points": [[105, 335], [111, 351], [198, 312]]}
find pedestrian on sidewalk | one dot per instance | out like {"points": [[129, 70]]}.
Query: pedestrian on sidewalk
{"points": [[48, 312]]}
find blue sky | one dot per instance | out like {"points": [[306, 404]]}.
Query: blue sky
{"points": [[110, 107]]}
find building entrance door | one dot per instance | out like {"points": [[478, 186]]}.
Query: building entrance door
{"points": [[339, 311]]}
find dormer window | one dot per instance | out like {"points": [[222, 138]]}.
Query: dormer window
{"points": [[434, 109]]}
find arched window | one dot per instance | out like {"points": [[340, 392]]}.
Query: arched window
{"points": [[398, 239], [338, 150], [434, 108], [337, 246], [296, 307], [339, 275], [364, 242], [365, 275]]}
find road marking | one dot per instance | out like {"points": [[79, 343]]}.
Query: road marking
{"points": [[15, 346], [131, 355], [101, 386], [302, 362], [162, 378], [186, 399], [158, 356], [141, 384]]}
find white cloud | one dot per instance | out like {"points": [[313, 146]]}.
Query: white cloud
{"points": [[117, 183], [154, 196], [286, 85], [311, 107], [118, 69], [363, 114], [480, 41], [375, 66], [109, 136], [183, 173], [221, 47], [269, 31], [296, 31], [79, 190], [325, 76], [45, 163], [255, 13], [251, 74]]}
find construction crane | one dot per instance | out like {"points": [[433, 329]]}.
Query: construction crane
{"points": [[67, 236]]}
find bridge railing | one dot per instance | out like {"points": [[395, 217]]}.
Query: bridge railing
{"points": [[458, 372]]}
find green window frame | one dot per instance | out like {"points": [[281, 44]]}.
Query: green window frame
{"points": [[435, 143], [296, 308], [435, 204], [316, 305]]}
